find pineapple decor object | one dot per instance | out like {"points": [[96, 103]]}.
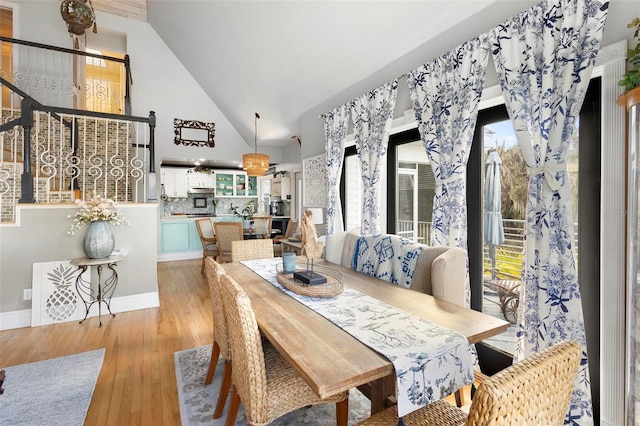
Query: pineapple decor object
{"points": [[63, 301]]}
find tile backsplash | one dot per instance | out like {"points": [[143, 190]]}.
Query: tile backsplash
{"points": [[187, 205]]}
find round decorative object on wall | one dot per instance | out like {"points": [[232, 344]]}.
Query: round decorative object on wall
{"points": [[98, 240]]}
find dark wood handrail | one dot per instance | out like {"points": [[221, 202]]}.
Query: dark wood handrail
{"points": [[107, 115], [126, 61], [60, 49]]}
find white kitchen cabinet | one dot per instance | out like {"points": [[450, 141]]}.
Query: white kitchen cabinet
{"points": [[174, 181], [281, 187], [200, 180]]}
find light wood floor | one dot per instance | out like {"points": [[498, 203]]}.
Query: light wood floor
{"points": [[137, 383]]}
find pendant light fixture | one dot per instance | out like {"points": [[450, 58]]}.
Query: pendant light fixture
{"points": [[79, 15], [255, 164]]}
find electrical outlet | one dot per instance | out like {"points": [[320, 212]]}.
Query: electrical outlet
{"points": [[26, 294]]}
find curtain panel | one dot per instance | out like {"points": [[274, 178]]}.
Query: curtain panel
{"points": [[544, 58], [445, 95], [372, 114], [335, 131]]}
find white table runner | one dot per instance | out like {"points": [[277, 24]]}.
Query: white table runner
{"points": [[431, 362]]}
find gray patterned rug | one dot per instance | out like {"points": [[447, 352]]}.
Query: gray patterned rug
{"points": [[53, 392], [197, 401]]}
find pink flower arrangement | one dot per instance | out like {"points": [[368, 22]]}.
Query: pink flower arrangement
{"points": [[95, 210]]}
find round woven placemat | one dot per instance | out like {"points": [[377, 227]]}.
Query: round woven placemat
{"points": [[331, 288]]}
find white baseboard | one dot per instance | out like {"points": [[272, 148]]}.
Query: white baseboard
{"points": [[132, 303], [183, 255], [20, 319], [15, 319]]}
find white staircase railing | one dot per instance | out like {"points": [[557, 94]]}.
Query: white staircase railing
{"points": [[56, 155]]}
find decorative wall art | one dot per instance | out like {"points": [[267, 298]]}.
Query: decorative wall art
{"points": [[193, 132], [54, 297], [314, 176]]}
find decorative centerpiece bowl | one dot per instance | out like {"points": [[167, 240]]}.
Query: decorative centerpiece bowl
{"points": [[333, 285]]}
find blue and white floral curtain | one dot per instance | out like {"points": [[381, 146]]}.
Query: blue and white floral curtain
{"points": [[335, 131], [544, 58], [445, 95], [372, 114]]}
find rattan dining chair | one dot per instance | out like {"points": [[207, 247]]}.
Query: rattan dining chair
{"points": [[277, 245], [535, 391], [251, 249], [266, 384], [204, 226], [220, 335], [226, 232], [262, 225]]}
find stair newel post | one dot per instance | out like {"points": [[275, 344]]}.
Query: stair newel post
{"points": [[152, 141], [127, 85], [26, 184], [152, 157]]}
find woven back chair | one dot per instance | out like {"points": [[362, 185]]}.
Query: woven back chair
{"points": [[262, 225], [251, 249], [204, 226], [265, 395], [226, 232], [535, 391], [277, 246], [220, 335]]}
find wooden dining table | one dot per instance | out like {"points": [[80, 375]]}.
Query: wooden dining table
{"points": [[329, 358]]}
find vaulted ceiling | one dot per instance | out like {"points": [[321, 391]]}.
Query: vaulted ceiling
{"points": [[134, 9], [283, 58]]}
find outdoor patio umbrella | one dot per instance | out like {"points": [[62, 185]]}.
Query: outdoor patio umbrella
{"points": [[493, 231]]}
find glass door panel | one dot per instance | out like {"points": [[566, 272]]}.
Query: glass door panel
{"points": [[353, 193], [504, 198], [241, 185], [407, 206], [414, 192], [224, 185]]}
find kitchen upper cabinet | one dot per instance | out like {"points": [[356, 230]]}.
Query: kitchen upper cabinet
{"points": [[235, 184], [200, 180], [281, 187], [174, 181]]}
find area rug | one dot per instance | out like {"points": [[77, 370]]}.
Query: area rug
{"points": [[56, 391], [197, 401]]}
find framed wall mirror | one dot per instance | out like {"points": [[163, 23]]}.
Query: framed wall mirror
{"points": [[193, 133]]}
